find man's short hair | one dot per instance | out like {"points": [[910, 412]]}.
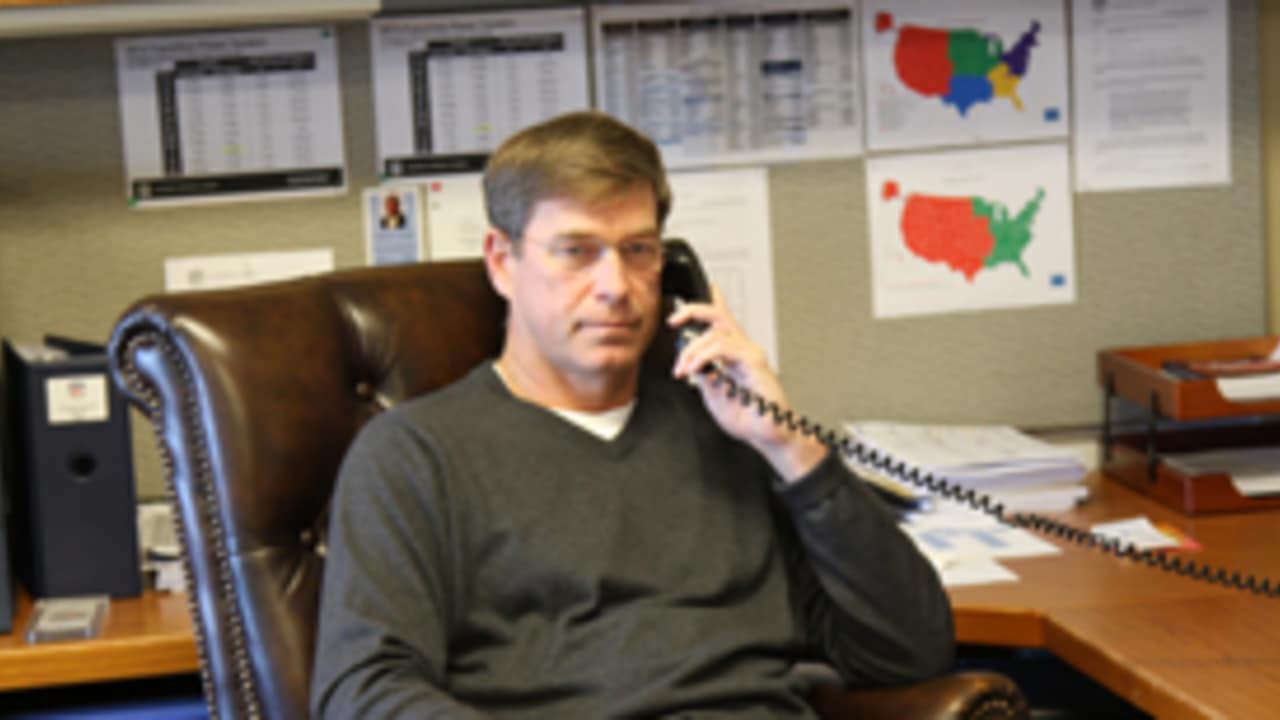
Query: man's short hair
{"points": [[585, 156]]}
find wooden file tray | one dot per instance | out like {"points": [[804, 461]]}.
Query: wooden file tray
{"points": [[1136, 374]]}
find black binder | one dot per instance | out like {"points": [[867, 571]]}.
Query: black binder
{"points": [[71, 472]]}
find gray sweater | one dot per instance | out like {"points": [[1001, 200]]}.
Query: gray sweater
{"points": [[487, 558]]}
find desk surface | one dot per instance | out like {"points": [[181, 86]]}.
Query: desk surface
{"points": [[148, 636], [1172, 646]]}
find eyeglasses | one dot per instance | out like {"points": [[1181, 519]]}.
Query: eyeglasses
{"points": [[580, 253]]}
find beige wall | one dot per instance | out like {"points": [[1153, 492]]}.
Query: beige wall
{"points": [[1269, 77]]}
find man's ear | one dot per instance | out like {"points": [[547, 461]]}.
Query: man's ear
{"points": [[499, 253]]}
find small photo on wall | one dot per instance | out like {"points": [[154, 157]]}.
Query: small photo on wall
{"points": [[393, 225]]}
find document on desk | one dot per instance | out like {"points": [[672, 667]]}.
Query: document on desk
{"points": [[1254, 471], [1152, 87], [965, 545], [449, 88], [222, 116]]}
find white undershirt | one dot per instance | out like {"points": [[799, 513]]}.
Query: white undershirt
{"points": [[606, 424]]}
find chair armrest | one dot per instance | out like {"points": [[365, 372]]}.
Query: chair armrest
{"points": [[974, 695]]}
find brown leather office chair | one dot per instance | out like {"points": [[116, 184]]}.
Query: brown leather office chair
{"points": [[256, 393]]}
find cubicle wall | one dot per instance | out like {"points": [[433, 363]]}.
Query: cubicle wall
{"points": [[1153, 266]]}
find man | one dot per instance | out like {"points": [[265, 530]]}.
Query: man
{"points": [[561, 534]]}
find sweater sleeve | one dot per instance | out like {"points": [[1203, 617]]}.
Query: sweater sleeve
{"points": [[865, 594], [384, 605]]}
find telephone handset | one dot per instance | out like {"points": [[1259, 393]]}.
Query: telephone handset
{"points": [[682, 276]]}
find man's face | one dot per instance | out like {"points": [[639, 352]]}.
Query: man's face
{"points": [[576, 310]]}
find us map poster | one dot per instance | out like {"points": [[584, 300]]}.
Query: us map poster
{"points": [[970, 230], [964, 73]]}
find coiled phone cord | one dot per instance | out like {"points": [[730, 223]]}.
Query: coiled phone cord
{"points": [[984, 502]]}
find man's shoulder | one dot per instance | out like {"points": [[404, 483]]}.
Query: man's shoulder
{"points": [[460, 406], [465, 400]]}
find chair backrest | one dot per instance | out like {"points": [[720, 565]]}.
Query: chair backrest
{"points": [[255, 395]]}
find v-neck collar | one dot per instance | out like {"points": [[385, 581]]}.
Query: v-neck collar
{"points": [[572, 432]]}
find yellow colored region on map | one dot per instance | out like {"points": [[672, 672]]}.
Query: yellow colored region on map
{"points": [[1005, 84]]}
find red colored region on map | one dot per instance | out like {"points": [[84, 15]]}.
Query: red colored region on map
{"points": [[922, 60], [945, 229]]}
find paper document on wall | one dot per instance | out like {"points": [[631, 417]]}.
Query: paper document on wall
{"points": [[1152, 93], [722, 82], [970, 230], [456, 220], [229, 115], [952, 73], [207, 272], [392, 225], [448, 88], [724, 215]]}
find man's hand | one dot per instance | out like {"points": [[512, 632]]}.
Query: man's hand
{"points": [[724, 345]]}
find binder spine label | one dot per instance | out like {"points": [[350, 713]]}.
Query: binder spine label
{"points": [[74, 399]]}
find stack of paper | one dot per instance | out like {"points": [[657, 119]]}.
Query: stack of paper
{"points": [[1254, 471], [1024, 473]]}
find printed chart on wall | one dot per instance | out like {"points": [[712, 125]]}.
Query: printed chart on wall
{"points": [[964, 73], [724, 215], [450, 88], [733, 83], [970, 230], [222, 116], [1152, 82]]}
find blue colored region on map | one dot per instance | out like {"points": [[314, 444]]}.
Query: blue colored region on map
{"points": [[967, 91]]}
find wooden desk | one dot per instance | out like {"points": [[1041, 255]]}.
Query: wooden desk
{"points": [[148, 636], [1172, 646]]}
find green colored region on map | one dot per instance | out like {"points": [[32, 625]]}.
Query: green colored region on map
{"points": [[1012, 235], [972, 53]]}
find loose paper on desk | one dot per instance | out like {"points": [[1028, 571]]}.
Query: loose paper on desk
{"points": [[207, 272], [723, 214], [963, 73], [223, 116], [1152, 94], [1249, 388], [725, 82], [964, 544], [970, 230], [1137, 531], [448, 88], [392, 225]]}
